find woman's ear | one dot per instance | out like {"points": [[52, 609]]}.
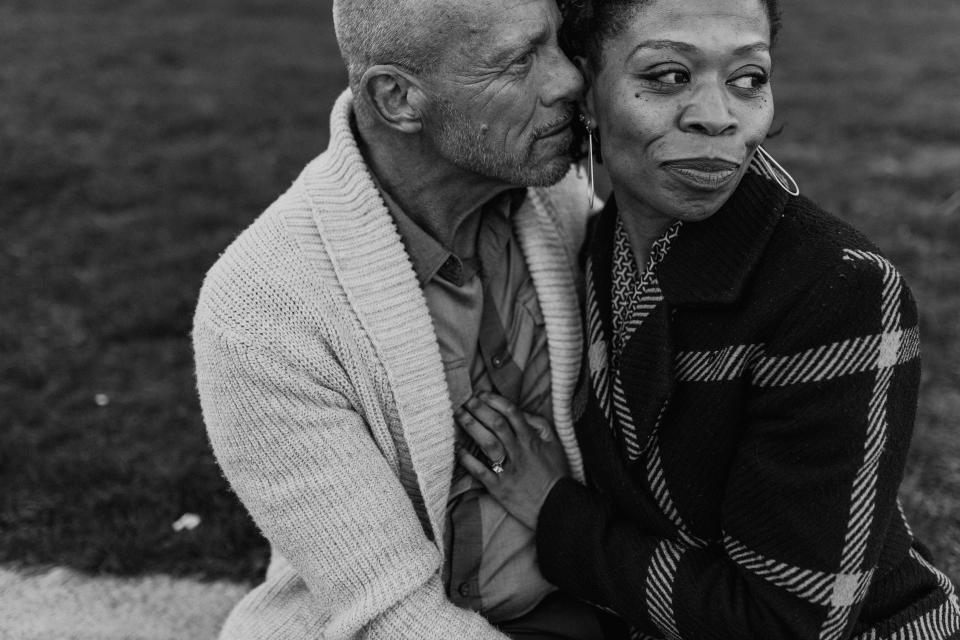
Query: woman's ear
{"points": [[394, 96], [586, 102]]}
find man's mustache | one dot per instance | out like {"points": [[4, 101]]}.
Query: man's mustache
{"points": [[554, 126]]}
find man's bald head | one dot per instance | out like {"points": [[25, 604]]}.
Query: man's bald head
{"points": [[409, 34]]}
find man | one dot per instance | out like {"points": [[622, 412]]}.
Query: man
{"points": [[403, 272]]}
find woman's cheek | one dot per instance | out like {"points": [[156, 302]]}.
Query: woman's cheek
{"points": [[627, 122]]}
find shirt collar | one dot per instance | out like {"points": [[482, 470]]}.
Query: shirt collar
{"points": [[428, 257]]}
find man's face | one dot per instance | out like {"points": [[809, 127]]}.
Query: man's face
{"points": [[504, 94]]}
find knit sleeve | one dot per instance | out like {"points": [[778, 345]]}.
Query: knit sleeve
{"points": [[301, 460], [812, 490]]}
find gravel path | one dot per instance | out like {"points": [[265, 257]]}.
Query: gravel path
{"points": [[61, 604]]}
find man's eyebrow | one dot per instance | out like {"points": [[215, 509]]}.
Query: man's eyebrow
{"points": [[520, 45]]}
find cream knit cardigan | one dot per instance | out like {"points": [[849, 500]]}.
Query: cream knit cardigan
{"points": [[325, 400]]}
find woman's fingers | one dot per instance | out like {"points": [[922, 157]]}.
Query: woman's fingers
{"points": [[491, 416], [477, 469], [541, 426], [483, 434], [508, 411]]}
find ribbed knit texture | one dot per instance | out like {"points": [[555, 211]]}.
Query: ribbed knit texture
{"points": [[325, 400], [748, 487]]}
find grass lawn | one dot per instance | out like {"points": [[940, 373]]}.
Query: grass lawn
{"points": [[137, 138]]}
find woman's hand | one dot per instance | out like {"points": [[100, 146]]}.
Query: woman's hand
{"points": [[527, 459]]}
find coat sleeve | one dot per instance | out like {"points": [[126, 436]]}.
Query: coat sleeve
{"points": [[301, 460], [811, 492]]}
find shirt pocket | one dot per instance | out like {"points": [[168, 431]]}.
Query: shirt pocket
{"points": [[459, 384]]}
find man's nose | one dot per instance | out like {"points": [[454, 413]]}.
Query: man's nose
{"points": [[708, 111], [564, 82]]}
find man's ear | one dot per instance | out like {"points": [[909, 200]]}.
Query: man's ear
{"points": [[586, 104], [394, 95]]}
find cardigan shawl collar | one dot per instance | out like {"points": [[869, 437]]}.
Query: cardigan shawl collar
{"points": [[368, 258], [709, 263]]}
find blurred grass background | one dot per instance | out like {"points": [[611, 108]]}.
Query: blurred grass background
{"points": [[137, 138]]}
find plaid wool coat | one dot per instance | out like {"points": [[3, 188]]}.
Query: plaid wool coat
{"points": [[745, 446]]}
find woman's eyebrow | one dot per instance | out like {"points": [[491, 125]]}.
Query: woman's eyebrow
{"points": [[756, 47], [686, 47], [683, 47]]}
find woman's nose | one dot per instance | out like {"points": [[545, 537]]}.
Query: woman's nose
{"points": [[708, 112]]}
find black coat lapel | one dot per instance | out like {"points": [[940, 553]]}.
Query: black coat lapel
{"points": [[641, 382], [646, 376], [710, 262]]}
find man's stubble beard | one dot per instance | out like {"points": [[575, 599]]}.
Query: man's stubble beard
{"points": [[462, 143]]}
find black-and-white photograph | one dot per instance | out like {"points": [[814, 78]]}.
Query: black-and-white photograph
{"points": [[480, 319]]}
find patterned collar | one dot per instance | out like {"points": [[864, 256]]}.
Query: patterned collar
{"points": [[633, 292]]}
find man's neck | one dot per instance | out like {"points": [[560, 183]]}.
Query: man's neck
{"points": [[444, 200]]}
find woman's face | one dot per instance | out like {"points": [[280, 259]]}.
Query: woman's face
{"points": [[681, 101]]}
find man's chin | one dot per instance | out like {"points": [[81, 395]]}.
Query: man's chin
{"points": [[550, 171], [545, 169]]}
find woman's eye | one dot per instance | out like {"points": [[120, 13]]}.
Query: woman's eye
{"points": [[750, 81], [673, 77]]}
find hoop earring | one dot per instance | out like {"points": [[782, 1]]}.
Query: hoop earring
{"points": [[590, 183], [770, 168]]}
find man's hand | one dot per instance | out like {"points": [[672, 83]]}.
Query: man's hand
{"points": [[526, 458]]}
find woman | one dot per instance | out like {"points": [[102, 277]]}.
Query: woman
{"points": [[753, 366]]}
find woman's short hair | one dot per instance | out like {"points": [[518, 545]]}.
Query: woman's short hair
{"points": [[588, 23]]}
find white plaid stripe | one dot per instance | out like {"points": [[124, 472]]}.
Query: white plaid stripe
{"points": [[597, 350], [942, 622], [942, 580], [625, 420], [903, 519], [826, 362], [715, 366], [660, 579], [863, 497], [658, 486], [817, 587]]}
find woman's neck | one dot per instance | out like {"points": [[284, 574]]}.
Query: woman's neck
{"points": [[643, 229]]}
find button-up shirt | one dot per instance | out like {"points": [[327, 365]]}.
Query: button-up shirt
{"points": [[491, 335]]}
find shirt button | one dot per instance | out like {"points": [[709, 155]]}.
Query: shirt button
{"points": [[464, 590], [498, 360]]}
